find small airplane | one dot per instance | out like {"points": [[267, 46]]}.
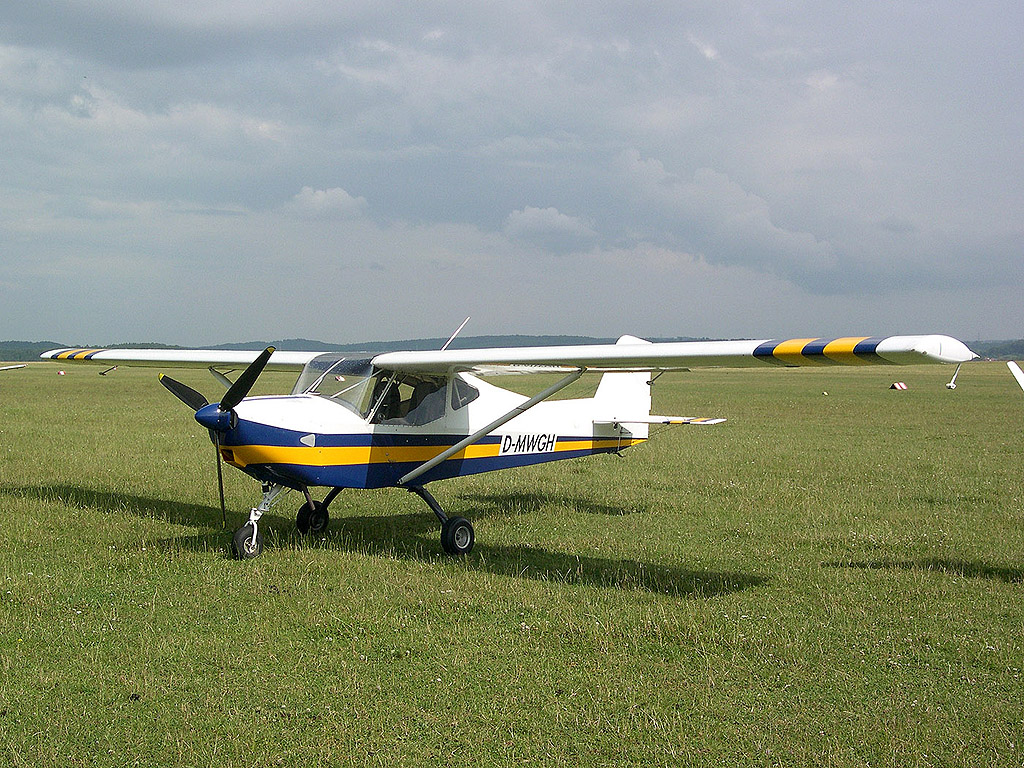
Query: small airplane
{"points": [[405, 419]]}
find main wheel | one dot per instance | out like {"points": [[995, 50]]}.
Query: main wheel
{"points": [[313, 519], [457, 536], [246, 545]]}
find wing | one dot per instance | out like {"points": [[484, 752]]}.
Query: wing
{"points": [[182, 358], [630, 354], [633, 354]]}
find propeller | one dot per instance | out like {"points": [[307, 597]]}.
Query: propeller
{"points": [[219, 417], [244, 382], [183, 392]]}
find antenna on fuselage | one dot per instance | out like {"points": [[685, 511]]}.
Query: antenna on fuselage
{"points": [[454, 334]]}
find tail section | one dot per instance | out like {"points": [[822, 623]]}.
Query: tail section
{"points": [[623, 400], [625, 397]]}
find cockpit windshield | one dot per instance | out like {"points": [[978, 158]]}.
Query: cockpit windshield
{"points": [[382, 397], [340, 378]]}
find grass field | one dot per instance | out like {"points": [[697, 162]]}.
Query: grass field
{"points": [[823, 580]]}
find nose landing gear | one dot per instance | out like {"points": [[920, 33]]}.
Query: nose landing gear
{"points": [[248, 540]]}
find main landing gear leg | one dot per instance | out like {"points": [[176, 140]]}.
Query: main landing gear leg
{"points": [[248, 541], [312, 516], [456, 532]]}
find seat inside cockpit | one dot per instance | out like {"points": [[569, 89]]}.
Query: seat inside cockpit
{"points": [[404, 399]]}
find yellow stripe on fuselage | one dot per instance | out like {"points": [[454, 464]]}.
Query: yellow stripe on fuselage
{"points": [[841, 350]]}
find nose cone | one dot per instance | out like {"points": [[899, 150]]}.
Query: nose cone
{"points": [[212, 417]]}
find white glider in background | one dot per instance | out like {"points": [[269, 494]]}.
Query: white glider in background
{"points": [[404, 419]]}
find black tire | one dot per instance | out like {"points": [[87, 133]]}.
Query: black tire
{"points": [[245, 545], [312, 520], [457, 536]]}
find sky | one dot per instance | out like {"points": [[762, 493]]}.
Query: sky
{"points": [[204, 171]]}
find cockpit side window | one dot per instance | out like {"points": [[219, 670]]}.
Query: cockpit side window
{"points": [[463, 393]]}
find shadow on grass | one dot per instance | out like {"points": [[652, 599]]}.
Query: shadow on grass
{"points": [[964, 568], [169, 510], [525, 502], [409, 537], [415, 537]]}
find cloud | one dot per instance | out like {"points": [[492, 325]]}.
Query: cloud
{"points": [[727, 224], [333, 203], [707, 50], [897, 226], [720, 145], [549, 229], [822, 81]]}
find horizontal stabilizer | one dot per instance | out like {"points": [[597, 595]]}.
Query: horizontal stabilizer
{"points": [[702, 420]]}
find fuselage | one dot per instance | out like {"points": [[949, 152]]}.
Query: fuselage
{"points": [[311, 440]]}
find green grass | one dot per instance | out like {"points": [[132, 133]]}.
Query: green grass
{"points": [[822, 580]]}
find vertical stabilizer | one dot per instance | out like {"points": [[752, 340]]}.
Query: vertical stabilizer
{"points": [[624, 396]]}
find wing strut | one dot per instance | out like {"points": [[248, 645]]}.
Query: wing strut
{"points": [[482, 433]]}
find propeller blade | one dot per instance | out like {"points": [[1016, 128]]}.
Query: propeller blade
{"points": [[196, 401], [244, 382], [186, 394], [220, 479]]}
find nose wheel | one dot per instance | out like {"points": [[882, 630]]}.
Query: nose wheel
{"points": [[248, 542]]}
